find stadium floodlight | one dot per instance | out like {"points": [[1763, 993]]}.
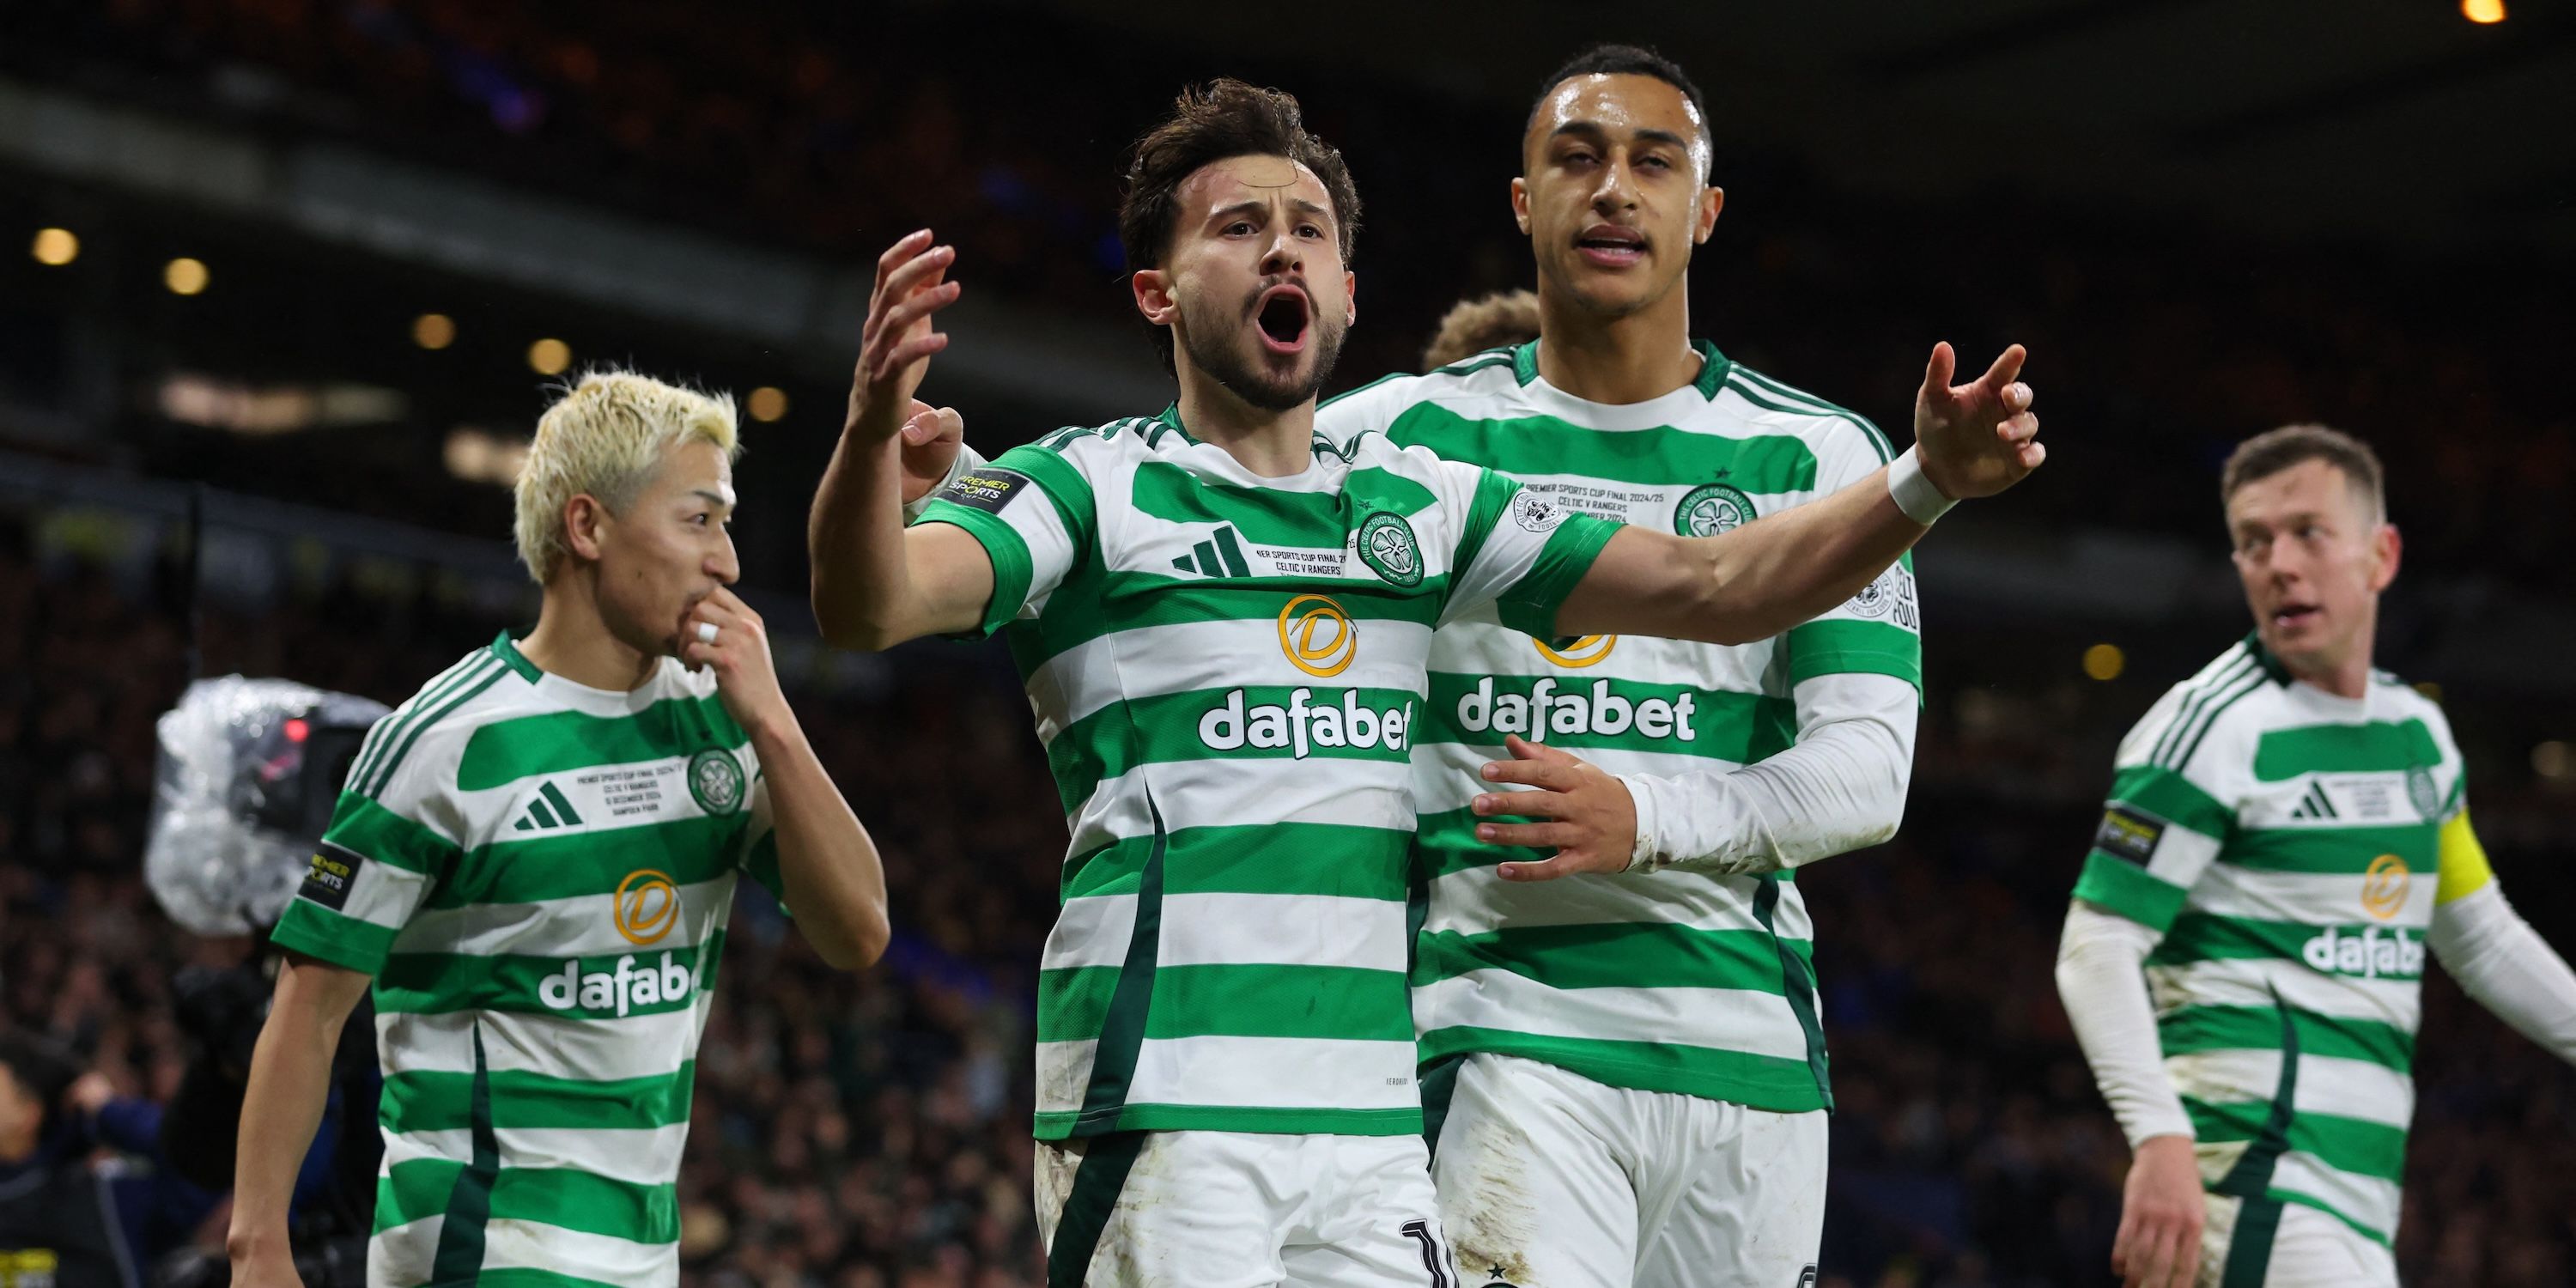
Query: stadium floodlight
{"points": [[55, 247]]}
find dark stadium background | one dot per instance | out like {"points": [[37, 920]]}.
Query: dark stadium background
{"points": [[2204, 218]]}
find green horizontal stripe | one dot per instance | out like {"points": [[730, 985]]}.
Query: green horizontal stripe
{"points": [[1274, 516], [2258, 1028], [1257, 1001], [309, 928], [2173, 798], [1066, 487], [2354, 1145], [1165, 728], [1842, 646], [442, 982], [1446, 842], [2342, 851], [528, 867], [1738, 728], [1530, 605], [1614, 955], [1260, 1119], [2202, 936], [2376, 747], [1091, 605], [1261, 858], [531, 1277], [2116, 885], [362, 826], [1004, 548], [1770, 1083], [556, 1196], [505, 751], [434, 1101], [1546, 445]]}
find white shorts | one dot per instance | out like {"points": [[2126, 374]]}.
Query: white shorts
{"points": [[1215, 1209], [2303, 1248], [1548, 1179]]}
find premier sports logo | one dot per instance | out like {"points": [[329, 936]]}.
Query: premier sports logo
{"points": [[1317, 637], [1591, 650], [1387, 545]]}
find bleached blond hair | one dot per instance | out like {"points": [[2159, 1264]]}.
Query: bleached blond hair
{"points": [[606, 435]]}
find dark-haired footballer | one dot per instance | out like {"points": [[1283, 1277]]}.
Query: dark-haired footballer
{"points": [[1223, 617]]}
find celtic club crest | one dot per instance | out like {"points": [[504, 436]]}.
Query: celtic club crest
{"points": [[715, 780], [1712, 508], [1387, 546]]}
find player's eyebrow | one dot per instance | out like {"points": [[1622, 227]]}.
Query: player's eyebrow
{"points": [[1593, 131], [713, 498]]}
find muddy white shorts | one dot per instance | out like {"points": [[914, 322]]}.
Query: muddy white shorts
{"points": [[2266, 1243], [1214, 1209], [1548, 1179]]}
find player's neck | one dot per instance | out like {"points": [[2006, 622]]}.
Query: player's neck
{"points": [[1616, 360], [1272, 444], [573, 641], [2345, 677]]}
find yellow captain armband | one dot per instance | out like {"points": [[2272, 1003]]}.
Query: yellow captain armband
{"points": [[2464, 861]]}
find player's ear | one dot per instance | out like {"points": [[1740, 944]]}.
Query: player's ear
{"points": [[2385, 549], [1711, 200], [1520, 204], [586, 524], [1350, 297], [1153, 288]]}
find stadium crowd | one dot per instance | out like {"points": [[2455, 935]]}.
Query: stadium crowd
{"points": [[2164, 345], [870, 1130]]}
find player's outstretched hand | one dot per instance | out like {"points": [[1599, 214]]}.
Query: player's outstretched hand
{"points": [[1976, 439], [722, 633], [2161, 1213], [931, 439], [896, 343], [1592, 821]]}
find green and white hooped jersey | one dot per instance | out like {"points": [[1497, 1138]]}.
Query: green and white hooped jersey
{"points": [[1227, 672], [538, 876], [2285, 841], [1677, 981]]}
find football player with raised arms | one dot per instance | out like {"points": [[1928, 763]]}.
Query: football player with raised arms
{"points": [[1224, 617], [2287, 843]]}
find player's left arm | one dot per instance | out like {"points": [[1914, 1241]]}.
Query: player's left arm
{"points": [[829, 872], [2494, 954], [1761, 579]]}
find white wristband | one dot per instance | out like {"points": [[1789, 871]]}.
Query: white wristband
{"points": [[1914, 492]]}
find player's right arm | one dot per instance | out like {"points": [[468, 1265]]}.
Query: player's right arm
{"points": [[290, 1082], [875, 583], [2160, 831], [1761, 579]]}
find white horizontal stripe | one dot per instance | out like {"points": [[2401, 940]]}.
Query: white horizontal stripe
{"points": [[1227, 793], [403, 1256], [383, 895], [2327, 1084], [637, 1155], [1478, 899], [1449, 776], [2313, 898], [1234, 929], [638, 1046], [607, 797], [2182, 856], [1752, 1021], [532, 1245], [1285, 1073], [1090, 931], [2253, 982], [2366, 1199], [1283, 929], [579, 926], [1064, 1074], [452, 1145], [1479, 647], [1150, 661]]}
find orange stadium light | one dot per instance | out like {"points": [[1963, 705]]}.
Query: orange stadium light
{"points": [[549, 356], [2482, 11], [433, 331], [768, 403], [55, 247], [185, 276]]}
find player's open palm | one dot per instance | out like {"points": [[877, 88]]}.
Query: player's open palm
{"points": [[1978, 438], [722, 634], [2161, 1214], [896, 343]]}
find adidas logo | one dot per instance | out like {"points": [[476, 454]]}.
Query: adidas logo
{"points": [[1218, 556], [2315, 804], [548, 810]]}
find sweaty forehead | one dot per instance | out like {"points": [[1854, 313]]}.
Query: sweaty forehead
{"points": [[1219, 184], [1620, 103]]}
